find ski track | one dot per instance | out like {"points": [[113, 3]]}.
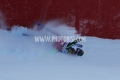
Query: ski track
{"points": [[21, 58]]}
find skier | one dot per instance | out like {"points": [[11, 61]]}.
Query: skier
{"points": [[65, 47], [70, 47]]}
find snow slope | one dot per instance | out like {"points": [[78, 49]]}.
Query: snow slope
{"points": [[21, 58]]}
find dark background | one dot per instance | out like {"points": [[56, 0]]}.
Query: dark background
{"points": [[99, 18]]}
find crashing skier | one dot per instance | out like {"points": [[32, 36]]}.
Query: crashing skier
{"points": [[70, 47]]}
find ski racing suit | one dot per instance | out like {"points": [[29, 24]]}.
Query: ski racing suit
{"points": [[69, 47]]}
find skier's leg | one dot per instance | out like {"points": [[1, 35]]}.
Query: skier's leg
{"points": [[73, 43]]}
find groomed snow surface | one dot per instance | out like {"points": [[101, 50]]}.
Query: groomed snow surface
{"points": [[21, 58]]}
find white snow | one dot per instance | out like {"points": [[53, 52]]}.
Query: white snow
{"points": [[21, 58]]}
